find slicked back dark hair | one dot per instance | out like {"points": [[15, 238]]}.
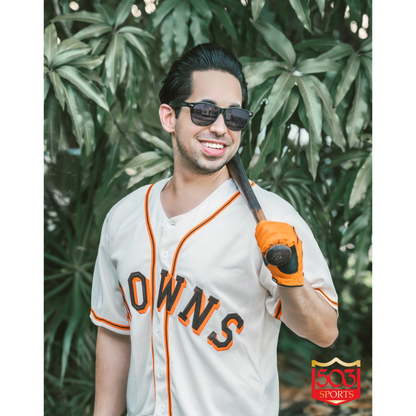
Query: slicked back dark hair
{"points": [[204, 57]]}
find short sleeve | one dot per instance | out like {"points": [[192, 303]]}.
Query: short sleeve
{"points": [[315, 270], [108, 306]]}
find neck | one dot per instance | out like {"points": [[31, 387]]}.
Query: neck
{"points": [[186, 190]]}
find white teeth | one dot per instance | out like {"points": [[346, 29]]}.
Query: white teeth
{"points": [[213, 145]]}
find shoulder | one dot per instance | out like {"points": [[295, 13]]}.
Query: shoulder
{"points": [[275, 208], [129, 209], [129, 203]]}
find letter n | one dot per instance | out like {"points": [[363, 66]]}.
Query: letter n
{"points": [[134, 279], [194, 307], [169, 292]]}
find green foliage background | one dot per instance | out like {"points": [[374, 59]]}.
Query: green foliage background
{"points": [[305, 67]]}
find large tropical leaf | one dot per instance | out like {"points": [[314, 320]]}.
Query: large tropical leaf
{"points": [[199, 29], [367, 45], [225, 19], [276, 40], [122, 11], [106, 12], [50, 42], [331, 124], [347, 78], [181, 16], [367, 64], [138, 49], [272, 141], [338, 52], [260, 95], [58, 87], [89, 62], [278, 95], [68, 56], [256, 7], [362, 182], [93, 31], [203, 8], [46, 86], [163, 10], [167, 39], [71, 43], [77, 78], [312, 104], [52, 126], [257, 72], [314, 65], [152, 169], [301, 8], [159, 143], [136, 31], [356, 116], [112, 61], [312, 152], [359, 223], [321, 6], [83, 16]]}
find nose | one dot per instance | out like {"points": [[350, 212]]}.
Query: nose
{"points": [[219, 126]]}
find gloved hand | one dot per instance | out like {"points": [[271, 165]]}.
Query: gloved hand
{"points": [[269, 233]]}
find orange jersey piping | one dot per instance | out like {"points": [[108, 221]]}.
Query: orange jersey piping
{"points": [[326, 296], [174, 262], [106, 321], [152, 271]]}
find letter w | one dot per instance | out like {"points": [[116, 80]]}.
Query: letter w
{"points": [[169, 292], [194, 307]]}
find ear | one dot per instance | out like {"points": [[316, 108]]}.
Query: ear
{"points": [[167, 117]]}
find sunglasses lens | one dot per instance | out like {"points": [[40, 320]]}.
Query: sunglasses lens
{"points": [[236, 118], [204, 114]]}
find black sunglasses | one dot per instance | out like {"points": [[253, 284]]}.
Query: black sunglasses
{"points": [[205, 114]]}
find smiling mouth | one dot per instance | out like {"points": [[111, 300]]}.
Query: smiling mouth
{"points": [[213, 145]]}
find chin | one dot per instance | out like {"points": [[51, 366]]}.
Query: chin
{"points": [[210, 168]]}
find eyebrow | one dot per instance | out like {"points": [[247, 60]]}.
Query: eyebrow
{"points": [[213, 102]]}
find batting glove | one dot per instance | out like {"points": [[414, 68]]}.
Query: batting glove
{"points": [[269, 233]]}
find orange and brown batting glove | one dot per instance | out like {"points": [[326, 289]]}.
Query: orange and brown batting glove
{"points": [[269, 233]]}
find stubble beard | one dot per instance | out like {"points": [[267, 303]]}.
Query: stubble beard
{"points": [[191, 160]]}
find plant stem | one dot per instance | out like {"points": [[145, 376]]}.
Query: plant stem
{"points": [[68, 33]]}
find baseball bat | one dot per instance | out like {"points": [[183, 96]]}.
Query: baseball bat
{"points": [[276, 255]]}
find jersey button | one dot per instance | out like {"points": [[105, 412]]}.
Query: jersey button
{"points": [[158, 328], [162, 408], [164, 254], [160, 371]]}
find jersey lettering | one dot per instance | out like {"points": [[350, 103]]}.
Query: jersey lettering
{"points": [[133, 280], [231, 318], [169, 292], [194, 307]]}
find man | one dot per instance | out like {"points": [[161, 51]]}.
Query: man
{"points": [[188, 313]]}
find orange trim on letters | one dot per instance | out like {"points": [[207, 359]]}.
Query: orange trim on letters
{"points": [[326, 296], [106, 321], [230, 344], [136, 299]]}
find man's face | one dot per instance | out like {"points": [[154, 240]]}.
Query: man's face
{"points": [[206, 149]]}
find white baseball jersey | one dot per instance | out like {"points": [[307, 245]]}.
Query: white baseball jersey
{"points": [[201, 308]]}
